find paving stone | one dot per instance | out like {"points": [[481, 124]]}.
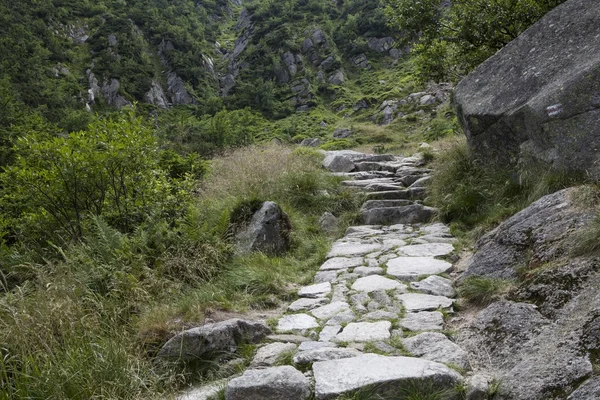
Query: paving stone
{"points": [[325, 354], [379, 315], [316, 290], [435, 346], [435, 285], [376, 282], [342, 318], [435, 239], [327, 276], [423, 321], [363, 230], [385, 348], [411, 268], [276, 383], [342, 263], [435, 229], [364, 332], [312, 345], [360, 298], [347, 276], [288, 338], [367, 271], [427, 250], [329, 332], [307, 304], [373, 306], [330, 310], [296, 322], [269, 354], [349, 249], [423, 302], [386, 375]]}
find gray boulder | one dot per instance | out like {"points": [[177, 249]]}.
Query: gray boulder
{"points": [[337, 78], [380, 45], [435, 346], [277, 383], [329, 223], [157, 96], [269, 354], [177, 90], [110, 90], [338, 163], [589, 390], [538, 99], [212, 340], [268, 232], [311, 142]]}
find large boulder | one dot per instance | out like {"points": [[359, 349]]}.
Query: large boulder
{"points": [[538, 99], [212, 340], [268, 232]]}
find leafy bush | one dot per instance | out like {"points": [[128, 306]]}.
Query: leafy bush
{"points": [[110, 169]]}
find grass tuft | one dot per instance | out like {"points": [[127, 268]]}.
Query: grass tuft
{"points": [[482, 291]]}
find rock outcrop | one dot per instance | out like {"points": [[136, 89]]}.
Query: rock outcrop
{"points": [[543, 342], [538, 99]]}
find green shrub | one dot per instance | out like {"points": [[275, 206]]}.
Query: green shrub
{"points": [[338, 144]]}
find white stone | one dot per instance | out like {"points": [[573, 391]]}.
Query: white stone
{"points": [[268, 355], [330, 310], [364, 332], [423, 302], [423, 321], [349, 249], [324, 354], [366, 271], [427, 250], [336, 377], [379, 315], [270, 383], [312, 345], [410, 268], [329, 332], [316, 290], [296, 322], [306, 304], [435, 285], [435, 346], [342, 318], [435, 229], [376, 282], [342, 263], [327, 276]]}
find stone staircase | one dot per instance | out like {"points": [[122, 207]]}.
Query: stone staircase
{"points": [[374, 319]]}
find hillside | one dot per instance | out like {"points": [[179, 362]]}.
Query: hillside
{"points": [[299, 199]]}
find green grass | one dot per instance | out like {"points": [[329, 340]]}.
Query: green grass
{"points": [[409, 390], [482, 291], [88, 323]]}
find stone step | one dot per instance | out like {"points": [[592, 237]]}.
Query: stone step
{"points": [[277, 383], [400, 194], [408, 214], [384, 375], [369, 204]]}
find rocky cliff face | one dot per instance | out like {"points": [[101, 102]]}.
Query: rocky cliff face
{"points": [[538, 99], [543, 341]]}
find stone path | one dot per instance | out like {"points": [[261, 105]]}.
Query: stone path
{"points": [[374, 316]]}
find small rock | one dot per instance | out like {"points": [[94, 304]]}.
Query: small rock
{"points": [[326, 276], [268, 232], [435, 346], [324, 354], [329, 332], [478, 387], [288, 338], [315, 291], [435, 285], [367, 271], [342, 133], [342, 318], [427, 100], [305, 304], [312, 345], [328, 223], [341, 263], [276, 383], [379, 315], [268, 355], [311, 142], [330, 310]]}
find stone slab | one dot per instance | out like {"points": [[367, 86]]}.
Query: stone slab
{"points": [[275, 383], [435, 346], [316, 290], [329, 332], [342, 263], [427, 250], [423, 321], [364, 332], [304, 304], [411, 268], [376, 282], [423, 302], [350, 249], [325, 354], [435, 285], [296, 322], [312, 345], [269, 354], [330, 310], [386, 375]]}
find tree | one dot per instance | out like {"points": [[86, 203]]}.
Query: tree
{"points": [[449, 41]]}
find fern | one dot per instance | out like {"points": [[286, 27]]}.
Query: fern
{"points": [[107, 240]]}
